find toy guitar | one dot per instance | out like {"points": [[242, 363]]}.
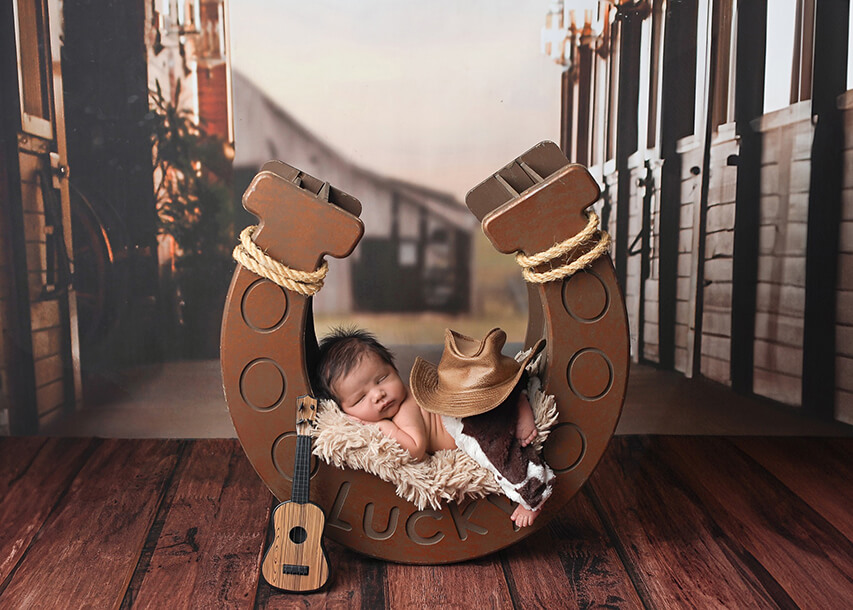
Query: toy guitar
{"points": [[296, 560]]}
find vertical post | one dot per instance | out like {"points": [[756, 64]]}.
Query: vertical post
{"points": [[627, 125], [585, 53], [677, 110], [825, 189], [462, 242], [17, 393], [705, 129], [567, 99], [749, 104]]}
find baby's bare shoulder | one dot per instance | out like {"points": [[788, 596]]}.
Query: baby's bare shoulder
{"points": [[408, 413]]}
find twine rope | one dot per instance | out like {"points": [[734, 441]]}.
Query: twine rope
{"points": [[589, 233], [248, 254]]}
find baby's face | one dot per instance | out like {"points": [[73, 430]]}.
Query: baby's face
{"points": [[372, 390]]}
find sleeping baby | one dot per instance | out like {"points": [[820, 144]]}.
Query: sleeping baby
{"points": [[475, 390]]}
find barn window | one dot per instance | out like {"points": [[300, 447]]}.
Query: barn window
{"points": [[788, 74], [613, 102], [722, 106], [850, 51], [655, 68], [407, 254]]}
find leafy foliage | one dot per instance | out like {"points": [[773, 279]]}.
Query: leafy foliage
{"points": [[193, 202]]}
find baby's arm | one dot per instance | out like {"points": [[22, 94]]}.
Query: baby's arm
{"points": [[408, 439], [407, 428]]}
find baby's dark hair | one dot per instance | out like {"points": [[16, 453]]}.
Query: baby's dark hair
{"points": [[340, 351]]}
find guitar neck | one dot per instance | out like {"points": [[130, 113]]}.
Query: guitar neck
{"points": [[301, 470]]}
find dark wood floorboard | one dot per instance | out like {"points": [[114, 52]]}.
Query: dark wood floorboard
{"points": [[670, 542], [817, 470], [665, 522], [89, 545], [481, 582], [355, 581], [802, 551], [34, 475], [570, 563], [210, 545]]}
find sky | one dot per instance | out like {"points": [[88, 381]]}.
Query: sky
{"points": [[441, 93]]}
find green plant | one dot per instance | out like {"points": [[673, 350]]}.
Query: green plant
{"points": [[193, 200], [195, 208]]}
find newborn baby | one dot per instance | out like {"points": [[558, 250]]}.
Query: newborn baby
{"points": [[358, 372]]}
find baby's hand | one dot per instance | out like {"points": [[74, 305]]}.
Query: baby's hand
{"points": [[386, 427]]}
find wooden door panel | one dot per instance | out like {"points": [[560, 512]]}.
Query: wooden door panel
{"points": [[44, 214], [50, 397]]}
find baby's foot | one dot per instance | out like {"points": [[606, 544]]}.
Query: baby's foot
{"points": [[525, 427], [523, 517]]}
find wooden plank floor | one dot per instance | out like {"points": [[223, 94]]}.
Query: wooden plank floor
{"points": [[665, 522]]}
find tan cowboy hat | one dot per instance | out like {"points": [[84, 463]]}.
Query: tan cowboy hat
{"points": [[472, 377]]}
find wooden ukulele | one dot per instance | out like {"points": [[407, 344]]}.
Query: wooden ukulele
{"points": [[296, 560]]}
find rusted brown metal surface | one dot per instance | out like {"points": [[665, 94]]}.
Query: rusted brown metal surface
{"points": [[268, 336]]}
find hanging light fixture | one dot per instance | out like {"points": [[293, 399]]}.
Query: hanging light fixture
{"points": [[561, 32]]}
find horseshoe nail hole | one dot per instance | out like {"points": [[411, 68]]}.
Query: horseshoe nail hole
{"points": [[590, 374], [264, 306], [283, 454], [586, 297], [262, 384], [565, 447]]}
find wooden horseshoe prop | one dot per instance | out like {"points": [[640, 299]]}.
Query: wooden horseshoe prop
{"points": [[268, 345]]}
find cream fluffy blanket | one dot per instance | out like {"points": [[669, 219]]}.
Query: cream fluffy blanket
{"points": [[447, 475]]}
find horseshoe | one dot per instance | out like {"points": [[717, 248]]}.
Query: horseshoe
{"points": [[268, 345]]}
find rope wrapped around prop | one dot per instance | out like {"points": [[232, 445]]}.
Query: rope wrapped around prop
{"points": [[248, 254], [584, 238]]}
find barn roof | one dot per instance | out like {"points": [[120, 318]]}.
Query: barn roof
{"points": [[264, 130]]}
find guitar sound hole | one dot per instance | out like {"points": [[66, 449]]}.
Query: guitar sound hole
{"points": [[298, 535]]}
